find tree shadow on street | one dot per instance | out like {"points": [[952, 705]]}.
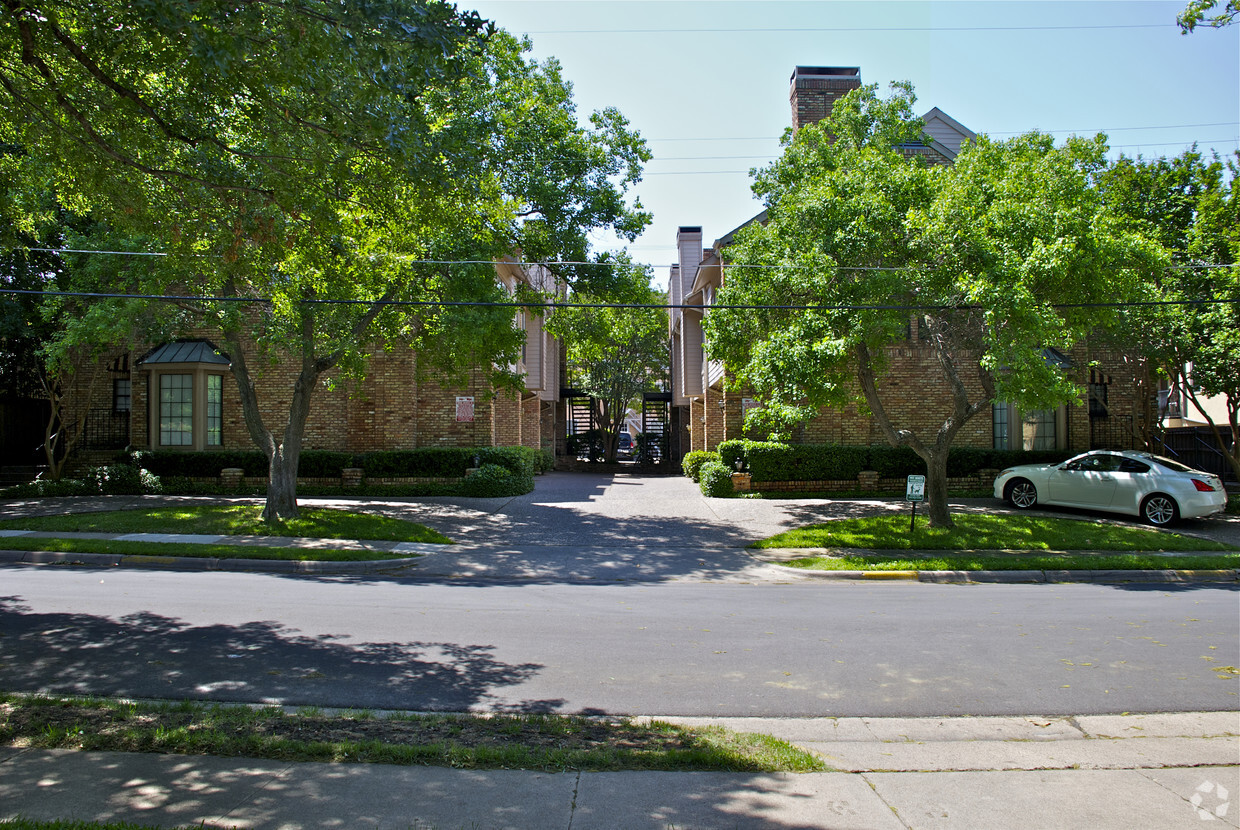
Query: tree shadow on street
{"points": [[146, 655]]}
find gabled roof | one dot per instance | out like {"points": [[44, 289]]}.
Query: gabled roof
{"points": [[946, 133], [185, 351]]}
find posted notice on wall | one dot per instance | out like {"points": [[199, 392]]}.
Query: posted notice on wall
{"points": [[465, 408]]}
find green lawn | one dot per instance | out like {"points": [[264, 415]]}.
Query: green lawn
{"points": [[545, 742], [983, 532], [965, 561], [234, 520], [196, 551]]}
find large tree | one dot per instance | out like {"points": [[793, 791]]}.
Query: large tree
{"points": [[985, 257], [616, 341], [1190, 205], [315, 159]]}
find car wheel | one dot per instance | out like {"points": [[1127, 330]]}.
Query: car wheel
{"points": [[1022, 494], [1159, 510]]}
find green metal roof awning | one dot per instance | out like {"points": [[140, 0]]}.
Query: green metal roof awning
{"points": [[185, 351]]}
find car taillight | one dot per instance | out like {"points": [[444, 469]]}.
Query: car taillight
{"points": [[1202, 486]]}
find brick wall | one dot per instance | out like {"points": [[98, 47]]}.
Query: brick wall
{"points": [[394, 406]]}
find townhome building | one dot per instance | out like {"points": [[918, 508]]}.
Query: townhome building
{"points": [[707, 412]]}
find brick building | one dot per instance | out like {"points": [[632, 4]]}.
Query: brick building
{"points": [[181, 395], [707, 414]]}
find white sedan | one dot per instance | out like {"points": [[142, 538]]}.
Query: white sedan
{"points": [[1157, 489]]}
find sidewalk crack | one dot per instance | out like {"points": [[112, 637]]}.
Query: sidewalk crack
{"points": [[886, 803], [572, 807]]}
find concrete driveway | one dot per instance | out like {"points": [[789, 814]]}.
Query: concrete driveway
{"points": [[611, 527]]}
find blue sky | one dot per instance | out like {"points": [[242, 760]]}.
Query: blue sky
{"points": [[706, 82]]}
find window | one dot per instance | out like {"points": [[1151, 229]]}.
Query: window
{"points": [[1000, 429], [176, 410], [185, 395], [122, 395], [215, 410], [1040, 429]]}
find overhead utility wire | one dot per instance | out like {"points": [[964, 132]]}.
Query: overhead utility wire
{"points": [[854, 29], [989, 132], [560, 304], [524, 264]]}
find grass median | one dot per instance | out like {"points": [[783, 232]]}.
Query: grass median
{"points": [[532, 742], [1001, 542], [220, 520]]}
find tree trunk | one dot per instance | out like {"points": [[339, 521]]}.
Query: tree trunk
{"points": [[936, 489], [281, 488]]}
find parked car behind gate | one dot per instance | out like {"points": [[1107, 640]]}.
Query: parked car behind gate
{"points": [[1159, 490]]}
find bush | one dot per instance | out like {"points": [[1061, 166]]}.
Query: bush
{"points": [[493, 480], [693, 461], [121, 480], [112, 480], [324, 463], [732, 451], [715, 480], [895, 462], [167, 463]]}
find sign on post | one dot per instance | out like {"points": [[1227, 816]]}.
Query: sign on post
{"points": [[915, 491]]}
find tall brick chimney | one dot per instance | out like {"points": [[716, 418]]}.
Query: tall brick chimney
{"points": [[815, 89]]}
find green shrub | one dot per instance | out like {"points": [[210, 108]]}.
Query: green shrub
{"points": [[493, 480], [693, 461], [200, 464], [895, 462], [715, 480], [520, 460], [324, 463], [121, 480], [732, 451]]}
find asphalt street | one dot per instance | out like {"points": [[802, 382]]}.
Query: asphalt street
{"points": [[618, 594], [813, 649]]}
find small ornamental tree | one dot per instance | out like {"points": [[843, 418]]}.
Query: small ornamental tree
{"points": [[615, 353], [314, 159], [983, 255]]}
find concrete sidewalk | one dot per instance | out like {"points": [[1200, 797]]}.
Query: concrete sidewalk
{"points": [[1139, 771]]}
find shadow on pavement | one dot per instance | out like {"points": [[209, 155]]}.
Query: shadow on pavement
{"points": [[147, 655]]}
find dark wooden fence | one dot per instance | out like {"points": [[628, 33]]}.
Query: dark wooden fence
{"points": [[1198, 447]]}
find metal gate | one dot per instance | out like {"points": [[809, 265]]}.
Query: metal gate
{"points": [[656, 428]]}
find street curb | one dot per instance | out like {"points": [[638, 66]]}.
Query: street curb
{"points": [[193, 563], [306, 566], [1163, 577]]}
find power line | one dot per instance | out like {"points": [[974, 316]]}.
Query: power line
{"points": [[561, 304], [609, 264], [854, 29]]}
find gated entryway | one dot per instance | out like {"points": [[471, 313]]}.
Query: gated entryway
{"points": [[583, 426]]}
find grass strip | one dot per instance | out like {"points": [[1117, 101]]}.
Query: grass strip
{"points": [[965, 561], [196, 551], [234, 520], [73, 824], [532, 742], [985, 532]]}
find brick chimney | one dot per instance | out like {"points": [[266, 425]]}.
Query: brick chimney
{"points": [[815, 89]]}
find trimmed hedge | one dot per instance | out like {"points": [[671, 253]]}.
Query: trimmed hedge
{"points": [[732, 451], [693, 461], [492, 480], [428, 462], [771, 461], [715, 480]]}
